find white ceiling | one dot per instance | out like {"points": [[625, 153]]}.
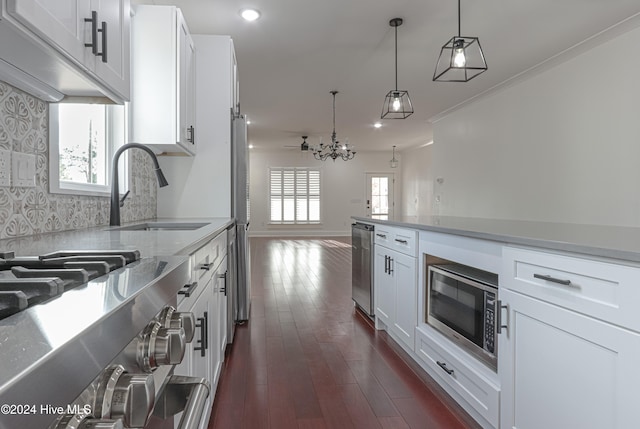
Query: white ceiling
{"points": [[299, 50]]}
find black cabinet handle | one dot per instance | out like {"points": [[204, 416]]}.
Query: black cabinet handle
{"points": [[390, 263], [401, 241], [103, 54], [94, 32], [188, 289], [386, 264], [206, 267], [444, 366], [381, 235], [552, 279], [202, 325], [206, 329], [224, 276]]}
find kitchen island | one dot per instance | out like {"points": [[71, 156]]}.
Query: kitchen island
{"points": [[618, 242], [565, 319]]}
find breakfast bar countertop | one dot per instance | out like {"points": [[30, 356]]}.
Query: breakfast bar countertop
{"points": [[617, 242]]}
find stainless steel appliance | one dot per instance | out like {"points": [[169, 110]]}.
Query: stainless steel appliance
{"points": [[240, 208], [361, 264], [89, 339], [461, 303]]}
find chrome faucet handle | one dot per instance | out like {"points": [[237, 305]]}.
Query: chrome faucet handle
{"points": [[124, 197]]}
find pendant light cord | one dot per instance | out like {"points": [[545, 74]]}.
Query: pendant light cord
{"points": [[333, 136], [459, 18], [396, 27]]}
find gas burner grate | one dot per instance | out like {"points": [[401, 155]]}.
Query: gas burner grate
{"points": [[35, 279]]}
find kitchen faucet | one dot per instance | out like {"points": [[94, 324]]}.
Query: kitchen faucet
{"points": [[114, 215]]}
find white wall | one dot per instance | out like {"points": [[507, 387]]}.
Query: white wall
{"points": [[563, 145], [417, 182], [343, 190]]}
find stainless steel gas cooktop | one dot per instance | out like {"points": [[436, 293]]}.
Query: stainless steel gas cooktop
{"points": [[67, 317]]}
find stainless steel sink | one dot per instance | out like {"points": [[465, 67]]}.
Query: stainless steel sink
{"points": [[161, 226]]}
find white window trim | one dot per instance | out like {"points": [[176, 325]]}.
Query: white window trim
{"points": [[57, 186], [294, 222]]}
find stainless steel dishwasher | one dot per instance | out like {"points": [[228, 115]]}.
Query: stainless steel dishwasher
{"points": [[361, 266]]}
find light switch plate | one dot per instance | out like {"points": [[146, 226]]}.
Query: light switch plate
{"points": [[23, 170], [5, 168]]}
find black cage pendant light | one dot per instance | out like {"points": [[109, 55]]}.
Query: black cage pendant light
{"points": [[461, 58], [397, 104]]}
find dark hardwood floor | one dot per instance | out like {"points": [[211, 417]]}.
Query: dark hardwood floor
{"points": [[308, 360]]}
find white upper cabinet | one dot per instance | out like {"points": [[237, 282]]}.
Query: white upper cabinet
{"points": [[84, 42], [163, 80], [113, 65]]}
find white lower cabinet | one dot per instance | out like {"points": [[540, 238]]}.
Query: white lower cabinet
{"points": [[474, 386], [207, 301], [199, 354], [561, 369], [396, 290]]}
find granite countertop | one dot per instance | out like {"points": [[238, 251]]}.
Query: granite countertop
{"points": [[149, 243], [618, 242]]}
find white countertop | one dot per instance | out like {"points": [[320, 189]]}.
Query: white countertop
{"points": [[149, 243], [618, 242]]}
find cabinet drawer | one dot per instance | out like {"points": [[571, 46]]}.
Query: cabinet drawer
{"points": [[444, 365], [603, 290], [383, 235], [400, 239]]}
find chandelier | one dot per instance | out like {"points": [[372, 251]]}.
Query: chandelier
{"points": [[335, 149]]}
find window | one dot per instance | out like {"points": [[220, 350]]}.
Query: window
{"points": [[83, 138], [294, 195]]}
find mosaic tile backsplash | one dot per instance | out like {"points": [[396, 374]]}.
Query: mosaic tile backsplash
{"points": [[33, 210]]}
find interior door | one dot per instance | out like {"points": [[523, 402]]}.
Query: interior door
{"points": [[379, 197]]}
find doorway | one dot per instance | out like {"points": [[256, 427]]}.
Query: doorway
{"points": [[379, 195]]}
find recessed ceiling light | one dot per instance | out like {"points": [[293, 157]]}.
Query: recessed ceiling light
{"points": [[250, 146], [250, 14], [377, 125], [248, 122]]}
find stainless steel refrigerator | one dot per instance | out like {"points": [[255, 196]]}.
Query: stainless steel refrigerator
{"points": [[240, 211]]}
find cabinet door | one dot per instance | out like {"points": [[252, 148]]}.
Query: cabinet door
{"points": [[222, 311], [186, 86], [561, 369], [60, 23], [113, 68], [201, 344], [406, 296], [383, 285]]}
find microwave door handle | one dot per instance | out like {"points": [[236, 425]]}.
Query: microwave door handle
{"points": [[498, 310]]}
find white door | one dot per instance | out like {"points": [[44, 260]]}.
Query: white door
{"points": [[61, 23], [384, 288], [379, 198], [113, 66], [406, 297], [561, 369]]}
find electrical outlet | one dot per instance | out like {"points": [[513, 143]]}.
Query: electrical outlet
{"points": [[5, 168], [23, 170]]}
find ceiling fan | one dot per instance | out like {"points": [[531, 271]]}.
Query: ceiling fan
{"points": [[304, 146]]}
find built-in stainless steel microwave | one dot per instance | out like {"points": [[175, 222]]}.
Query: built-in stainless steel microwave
{"points": [[461, 304]]}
